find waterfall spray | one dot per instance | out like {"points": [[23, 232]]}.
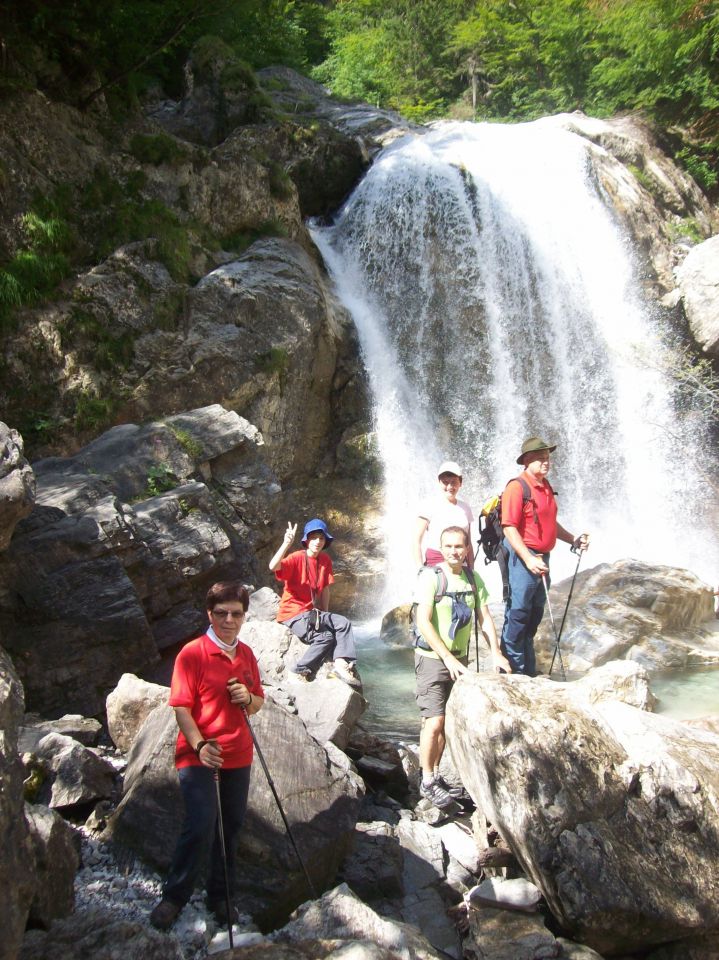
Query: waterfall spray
{"points": [[495, 298]]}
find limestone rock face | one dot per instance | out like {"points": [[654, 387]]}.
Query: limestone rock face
{"points": [[17, 874], [17, 483], [655, 615], [648, 192], [286, 377], [57, 857], [610, 810], [698, 278], [126, 537], [319, 797]]}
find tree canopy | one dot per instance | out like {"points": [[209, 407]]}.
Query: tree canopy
{"points": [[487, 59]]}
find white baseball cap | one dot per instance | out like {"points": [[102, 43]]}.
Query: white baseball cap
{"points": [[450, 466]]}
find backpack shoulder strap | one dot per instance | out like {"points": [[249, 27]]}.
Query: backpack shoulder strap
{"points": [[526, 492], [441, 584]]}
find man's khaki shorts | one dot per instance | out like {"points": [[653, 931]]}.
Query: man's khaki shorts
{"points": [[433, 685]]}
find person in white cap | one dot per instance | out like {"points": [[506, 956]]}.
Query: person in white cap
{"points": [[443, 510]]}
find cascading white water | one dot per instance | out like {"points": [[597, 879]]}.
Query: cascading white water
{"points": [[494, 298]]}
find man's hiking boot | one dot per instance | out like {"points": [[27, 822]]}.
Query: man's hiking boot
{"points": [[164, 915], [436, 794], [348, 674]]}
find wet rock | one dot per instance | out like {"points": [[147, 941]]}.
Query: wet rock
{"points": [[630, 610]]}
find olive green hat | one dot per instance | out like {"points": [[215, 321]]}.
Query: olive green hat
{"points": [[533, 445]]}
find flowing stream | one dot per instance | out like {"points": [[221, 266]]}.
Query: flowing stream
{"points": [[495, 298]]}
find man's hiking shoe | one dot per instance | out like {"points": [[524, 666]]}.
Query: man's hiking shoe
{"points": [[164, 915], [436, 795], [348, 674], [306, 676]]}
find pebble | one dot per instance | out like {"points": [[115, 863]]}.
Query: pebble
{"points": [[103, 882]]}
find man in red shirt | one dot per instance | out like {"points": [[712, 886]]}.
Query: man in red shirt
{"points": [[304, 605], [531, 530], [214, 682]]}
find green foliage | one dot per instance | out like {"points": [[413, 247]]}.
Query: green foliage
{"points": [[160, 479], [93, 413], [275, 362], [701, 163], [192, 448], [641, 177], [687, 229], [35, 270], [96, 345], [156, 148], [242, 239], [280, 182]]}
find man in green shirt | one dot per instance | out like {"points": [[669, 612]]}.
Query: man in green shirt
{"points": [[445, 627]]}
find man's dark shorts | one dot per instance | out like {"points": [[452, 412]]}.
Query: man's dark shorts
{"points": [[434, 685]]}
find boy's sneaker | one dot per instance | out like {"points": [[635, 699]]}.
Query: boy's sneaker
{"points": [[347, 673], [436, 794], [455, 790]]}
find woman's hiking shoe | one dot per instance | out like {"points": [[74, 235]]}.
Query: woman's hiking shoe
{"points": [[219, 909], [164, 915], [436, 794], [346, 673]]}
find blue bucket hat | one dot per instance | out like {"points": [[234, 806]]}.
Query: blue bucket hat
{"points": [[312, 526]]}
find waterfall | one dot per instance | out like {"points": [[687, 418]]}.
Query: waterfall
{"points": [[495, 298]]}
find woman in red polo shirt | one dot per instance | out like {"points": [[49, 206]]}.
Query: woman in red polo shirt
{"points": [[215, 680]]}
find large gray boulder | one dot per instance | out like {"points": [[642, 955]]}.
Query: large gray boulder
{"points": [[340, 915], [56, 850], [129, 705], [319, 796], [329, 708], [17, 874], [611, 811], [69, 773], [655, 615], [100, 935], [698, 280], [127, 535], [17, 483]]}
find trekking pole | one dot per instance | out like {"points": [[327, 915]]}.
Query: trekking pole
{"points": [[476, 638], [221, 830], [569, 600], [279, 805], [554, 628]]}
